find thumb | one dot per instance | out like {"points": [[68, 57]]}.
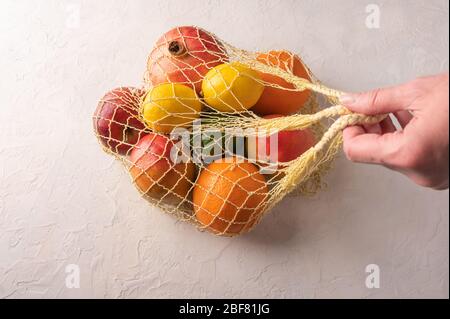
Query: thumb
{"points": [[379, 101], [363, 147]]}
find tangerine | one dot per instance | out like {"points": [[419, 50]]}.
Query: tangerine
{"points": [[229, 196], [278, 97]]}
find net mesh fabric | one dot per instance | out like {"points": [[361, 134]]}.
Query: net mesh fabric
{"points": [[228, 197]]}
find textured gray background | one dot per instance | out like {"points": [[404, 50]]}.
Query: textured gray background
{"points": [[63, 201]]}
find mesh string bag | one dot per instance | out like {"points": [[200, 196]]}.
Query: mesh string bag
{"points": [[194, 139]]}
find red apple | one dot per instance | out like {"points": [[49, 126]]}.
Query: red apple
{"points": [[116, 119], [184, 55], [155, 174], [291, 144]]}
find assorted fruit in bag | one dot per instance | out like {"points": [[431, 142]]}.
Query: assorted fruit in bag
{"points": [[217, 135]]}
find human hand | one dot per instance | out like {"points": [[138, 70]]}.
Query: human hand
{"points": [[420, 150]]}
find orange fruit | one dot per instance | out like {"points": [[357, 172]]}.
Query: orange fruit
{"points": [[229, 196], [156, 175], [276, 100]]}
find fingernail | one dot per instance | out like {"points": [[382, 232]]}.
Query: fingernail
{"points": [[347, 99]]}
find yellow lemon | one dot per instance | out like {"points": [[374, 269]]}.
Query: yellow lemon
{"points": [[170, 105], [232, 87]]}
